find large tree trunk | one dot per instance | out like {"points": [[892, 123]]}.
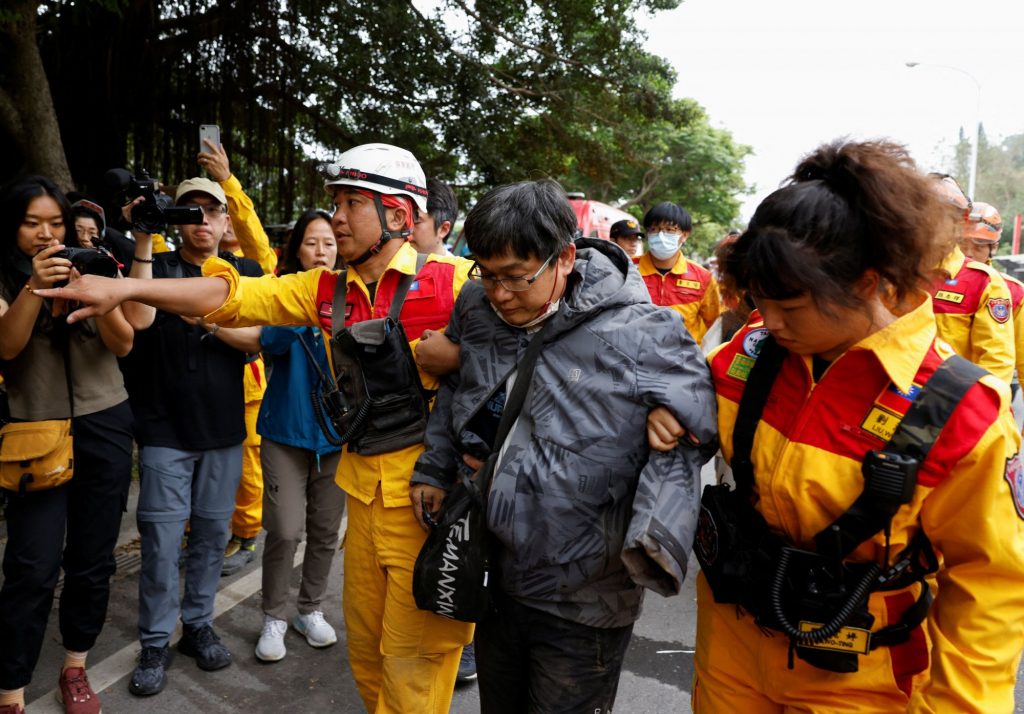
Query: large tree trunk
{"points": [[26, 107]]}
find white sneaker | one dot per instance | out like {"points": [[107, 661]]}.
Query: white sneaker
{"points": [[271, 648], [316, 629]]}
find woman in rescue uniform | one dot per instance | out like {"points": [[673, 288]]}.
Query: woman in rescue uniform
{"points": [[838, 264]]}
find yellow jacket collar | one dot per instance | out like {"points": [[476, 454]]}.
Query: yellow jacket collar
{"points": [[901, 345], [646, 265], [953, 262], [404, 261]]}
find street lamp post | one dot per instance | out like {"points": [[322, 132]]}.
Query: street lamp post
{"points": [[973, 175]]}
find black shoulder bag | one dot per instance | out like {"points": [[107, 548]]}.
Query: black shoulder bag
{"points": [[453, 571]]}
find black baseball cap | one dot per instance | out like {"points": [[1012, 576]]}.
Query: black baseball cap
{"points": [[625, 229]]}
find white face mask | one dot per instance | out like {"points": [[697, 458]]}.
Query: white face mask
{"points": [[663, 245], [550, 310]]}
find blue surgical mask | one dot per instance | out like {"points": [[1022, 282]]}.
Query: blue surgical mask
{"points": [[663, 245]]}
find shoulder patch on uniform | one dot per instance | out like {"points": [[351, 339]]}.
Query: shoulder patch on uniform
{"points": [[950, 296], [1014, 475], [752, 341], [999, 309], [326, 309]]}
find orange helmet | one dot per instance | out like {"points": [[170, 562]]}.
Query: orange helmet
{"points": [[983, 223], [950, 192]]}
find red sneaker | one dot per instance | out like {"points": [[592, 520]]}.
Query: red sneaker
{"points": [[75, 693]]}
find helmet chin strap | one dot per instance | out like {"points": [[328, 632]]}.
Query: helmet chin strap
{"points": [[385, 234]]}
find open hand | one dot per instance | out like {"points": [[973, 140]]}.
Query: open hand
{"points": [[97, 296]]}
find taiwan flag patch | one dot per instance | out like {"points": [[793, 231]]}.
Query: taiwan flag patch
{"points": [[1014, 476], [999, 309]]}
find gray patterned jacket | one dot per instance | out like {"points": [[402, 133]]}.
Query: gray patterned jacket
{"points": [[585, 513]]}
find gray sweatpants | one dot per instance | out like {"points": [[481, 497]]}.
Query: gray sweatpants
{"points": [[299, 493], [178, 486]]}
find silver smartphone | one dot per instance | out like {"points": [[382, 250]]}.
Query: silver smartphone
{"points": [[211, 132]]}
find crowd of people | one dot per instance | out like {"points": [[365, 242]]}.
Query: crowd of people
{"points": [[863, 552]]}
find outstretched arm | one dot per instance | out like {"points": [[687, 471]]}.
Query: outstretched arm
{"points": [[180, 296]]}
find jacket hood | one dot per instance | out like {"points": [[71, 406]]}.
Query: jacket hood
{"points": [[603, 278]]}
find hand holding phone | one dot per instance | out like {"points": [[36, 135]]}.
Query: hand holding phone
{"points": [[208, 131], [212, 156]]}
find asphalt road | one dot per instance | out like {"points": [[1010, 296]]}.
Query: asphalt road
{"points": [[656, 676]]}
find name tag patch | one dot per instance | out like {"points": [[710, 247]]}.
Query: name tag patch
{"points": [[740, 367], [848, 639], [692, 284], [881, 422], [950, 296]]}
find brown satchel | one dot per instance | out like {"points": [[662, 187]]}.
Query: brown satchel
{"points": [[37, 455]]}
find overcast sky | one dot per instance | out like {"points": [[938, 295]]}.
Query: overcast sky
{"points": [[786, 75]]}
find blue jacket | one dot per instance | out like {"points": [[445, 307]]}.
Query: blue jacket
{"points": [[286, 415]]}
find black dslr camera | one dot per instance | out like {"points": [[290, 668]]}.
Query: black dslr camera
{"points": [[90, 261], [157, 210]]}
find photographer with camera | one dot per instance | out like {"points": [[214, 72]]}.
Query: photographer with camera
{"points": [[190, 428], [55, 371]]}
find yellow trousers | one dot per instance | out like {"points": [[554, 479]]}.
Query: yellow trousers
{"points": [[404, 659], [248, 517], [737, 668]]}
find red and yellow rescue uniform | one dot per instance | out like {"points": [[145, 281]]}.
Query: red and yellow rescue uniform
{"points": [[687, 288], [403, 659], [254, 243], [969, 501], [973, 314], [1016, 289]]}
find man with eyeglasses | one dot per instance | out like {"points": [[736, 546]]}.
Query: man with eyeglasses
{"points": [[972, 304], [672, 279], [185, 381], [584, 514]]}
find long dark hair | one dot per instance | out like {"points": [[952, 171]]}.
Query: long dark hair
{"points": [[15, 198], [290, 263], [849, 207]]}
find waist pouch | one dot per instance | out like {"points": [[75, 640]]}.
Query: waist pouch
{"points": [[35, 455], [819, 603], [383, 406], [736, 550]]}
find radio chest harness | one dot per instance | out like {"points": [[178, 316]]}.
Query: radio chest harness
{"points": [[375, 403], [746, 564]]}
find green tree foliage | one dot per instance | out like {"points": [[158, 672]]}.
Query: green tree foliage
{"points": [[483, 92], [1000, 180]]}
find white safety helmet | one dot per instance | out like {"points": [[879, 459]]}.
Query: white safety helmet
{"points": [[384, 168]]}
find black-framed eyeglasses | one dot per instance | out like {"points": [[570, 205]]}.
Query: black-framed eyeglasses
{"points": [[515, 285]]}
